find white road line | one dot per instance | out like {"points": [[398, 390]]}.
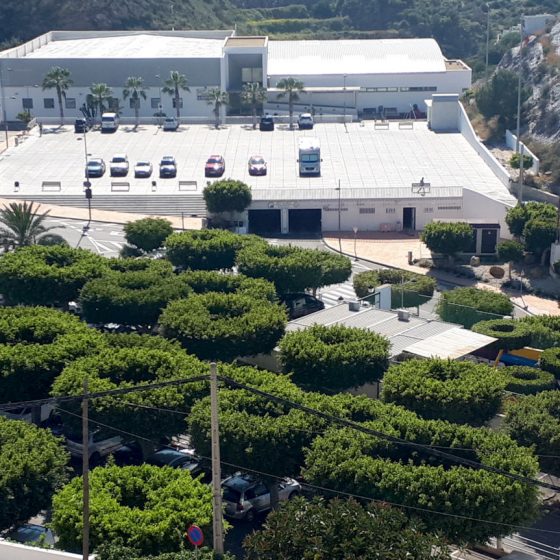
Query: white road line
{"points": [[116, 233], [118, 245], [100, 248]]}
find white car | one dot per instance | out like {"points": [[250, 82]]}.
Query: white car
{"points": [[305, 121], [99, 444], [119, 165], [143, 169], [170, 123]]}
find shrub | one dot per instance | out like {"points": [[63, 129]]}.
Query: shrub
{"points": [[148, 234], [224, 326], [334, 357], [293, 269], [528, 380], [130, 298], [534, 421], [518, 216], [510, 251], [539, 235], [461, 392], [467, 306], [227, 195], [140, 506], [515, 161], [47, 275], [447, 238], [550, 361], [407, 288], [511, 334], [210, 249], [203, 281], [545, 330]]}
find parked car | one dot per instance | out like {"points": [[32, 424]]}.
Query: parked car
{"points": [[267, 123], [143, 169], [26, 413], [32, 534], [177, 459], [167, 167], [246, 496], [95, 167], [300, 304], [82, 125], [119, 165], [170, 123], [305, 121], [215, 166], [257, 165], [100, 445], [129, 454]]}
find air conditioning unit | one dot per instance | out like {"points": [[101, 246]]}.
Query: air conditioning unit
{"points": [[353, 306], [403, 315]]}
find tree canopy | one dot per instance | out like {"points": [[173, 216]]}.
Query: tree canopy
{"points": [[528, 380], [227, 195], [148, 234], [32, 466], [146, 507], [461, 392], [511, 334], [447, 238]]}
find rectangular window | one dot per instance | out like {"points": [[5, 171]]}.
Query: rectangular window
{"points": [[367, 210], [380, 89], [180, 103], [48, 103], [428, 210], [155, 102], [419, 88], [70, 103], [449, 208], [251, 75], [389, 211], [27, 103]]}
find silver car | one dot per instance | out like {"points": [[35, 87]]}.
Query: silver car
{"points": [[245, 496]]}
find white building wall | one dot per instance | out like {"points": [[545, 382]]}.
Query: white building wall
{"points": [[481, 208], [15, 551]]}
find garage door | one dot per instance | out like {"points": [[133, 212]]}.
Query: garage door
{"points": [[306, 221], [264, 222]]}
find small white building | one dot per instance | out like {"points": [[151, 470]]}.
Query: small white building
{"points": [[375, 78]]}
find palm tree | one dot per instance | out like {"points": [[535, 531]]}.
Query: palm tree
{"points": [[217, 98], [292, 88], [173, 85], [58, 78], [253, 94], [22, 224], [100, 93], [135, 89]]}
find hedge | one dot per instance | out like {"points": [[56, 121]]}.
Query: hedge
{"points": [[417, 288], [334, 357], [534, 421], [511, 334], [224, 326], [545, 330], [202, 281], [528, 380], [130, 298], [35, 345], [550, 361], [467, 306], [39, 275], [141, 506], [461, 392], [148, 234]]}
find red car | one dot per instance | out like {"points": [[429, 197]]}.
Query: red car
{"points": [[215, 166]]}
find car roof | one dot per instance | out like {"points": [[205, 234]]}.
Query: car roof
{"points": [[167, 158], [95, 160], [306, 115], [119, 156], [169, 457], [143, 163], [256, 157], [215, 157], [239, 482]]}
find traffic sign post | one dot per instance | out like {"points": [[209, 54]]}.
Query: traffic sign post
{"points": [[195, 536]]}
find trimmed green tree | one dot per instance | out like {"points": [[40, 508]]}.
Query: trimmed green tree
{"points": [[511, 334], [518, 216], [534, 421], [539, 235], [53, 275], [130, 298], [33, 466], [227, 196], [545, 330], [334, 357], [209, 249], [528, 380], [333, 526], [550, 361], [146, 507], [118, 552], [460, 392], [467, 306], [224, 326], [148, 234], [447, 238], [511, 252]]}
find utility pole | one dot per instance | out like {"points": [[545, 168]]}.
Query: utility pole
{"points": [[339, 213], [487, 37], [518, 132], [218, 528], [521, 173], [4, 107], [85, 474]]}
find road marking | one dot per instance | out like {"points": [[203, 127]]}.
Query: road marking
{"points": [[100, 248], [116, 233], [118, 245]]}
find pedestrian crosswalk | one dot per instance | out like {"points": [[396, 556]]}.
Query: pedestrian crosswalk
{"points": [[337, 293]]}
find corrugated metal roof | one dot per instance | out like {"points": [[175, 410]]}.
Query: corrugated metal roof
{"points": [[346, 56], [452, 344]]}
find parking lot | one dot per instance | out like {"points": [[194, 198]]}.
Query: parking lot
{"points": [[358, 155]]}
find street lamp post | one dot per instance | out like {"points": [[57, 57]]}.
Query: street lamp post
{"points": [[339, 219], [3, 95], [355, 230], [160, 105], [518, 132], [344, 100]]}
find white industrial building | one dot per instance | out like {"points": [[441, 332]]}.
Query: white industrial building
{"points": [[376, 78]]}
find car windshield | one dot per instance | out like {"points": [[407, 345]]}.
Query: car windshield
{"points": [[214, 160], [94, 163], [257, 161], [119, 160], [143, 164], [167, 161], [309, 158], [107, 119], [231, 495]]}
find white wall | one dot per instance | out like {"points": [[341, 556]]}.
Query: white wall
{"points": [[15, 551], [477, 206], [511, 143], [444, 113]]}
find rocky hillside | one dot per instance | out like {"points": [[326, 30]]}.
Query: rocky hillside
{"points": [[540, 60]]}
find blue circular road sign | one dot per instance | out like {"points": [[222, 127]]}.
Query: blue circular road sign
{"points": [[195, 535]]}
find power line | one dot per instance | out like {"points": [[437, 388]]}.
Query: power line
{"points": [[390, 438], [320, 488]]}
